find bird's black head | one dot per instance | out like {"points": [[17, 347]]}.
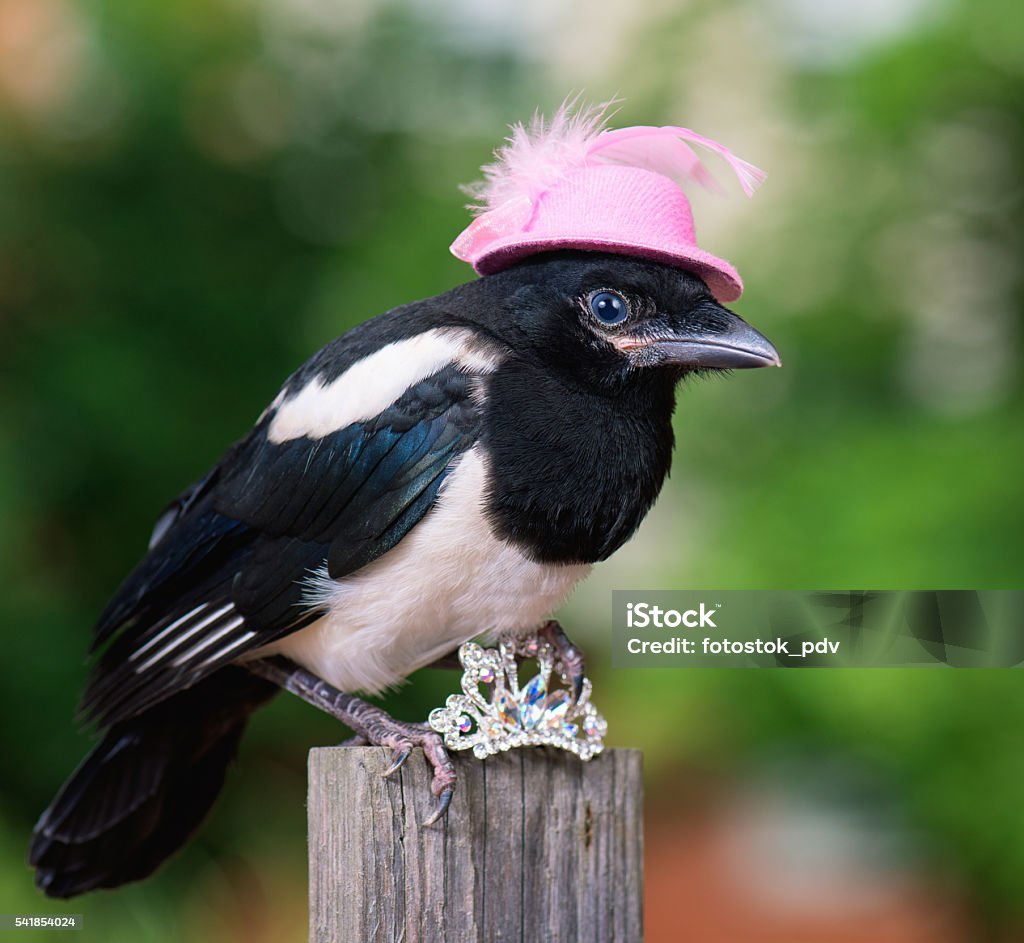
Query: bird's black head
{"points": [[608, 321]]}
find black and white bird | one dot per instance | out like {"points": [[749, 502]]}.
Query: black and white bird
{"points": [[451, 468]]}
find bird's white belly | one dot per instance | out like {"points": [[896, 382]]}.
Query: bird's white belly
{"points": [[447, 581]]}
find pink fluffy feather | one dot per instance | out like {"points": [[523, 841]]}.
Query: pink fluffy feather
{"points": [[534, 159]]}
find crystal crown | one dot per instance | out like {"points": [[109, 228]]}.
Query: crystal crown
{"points": [[494, 713]]}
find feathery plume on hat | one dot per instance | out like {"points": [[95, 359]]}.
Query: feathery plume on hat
{"points": [[572, 183]]}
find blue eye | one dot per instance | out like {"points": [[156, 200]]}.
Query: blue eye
{"points": [[609, 307]]}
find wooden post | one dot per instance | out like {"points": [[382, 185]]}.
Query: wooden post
{"points": [[537, 846]]}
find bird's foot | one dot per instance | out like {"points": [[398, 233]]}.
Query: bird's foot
{"points": [[401, 737], [569, 657], [371, 724]]}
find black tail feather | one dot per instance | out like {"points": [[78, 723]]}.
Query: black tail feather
{"points": [[145, 787]]}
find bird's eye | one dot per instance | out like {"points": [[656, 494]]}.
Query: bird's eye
{"points": [[609, 307]]}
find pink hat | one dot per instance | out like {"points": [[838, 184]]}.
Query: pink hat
{"points": [[574, 185]]}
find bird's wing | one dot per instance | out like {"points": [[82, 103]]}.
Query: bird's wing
{"points": [[230, 558]]}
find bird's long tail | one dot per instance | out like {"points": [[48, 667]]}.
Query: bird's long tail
{"points": [[144, 788]]}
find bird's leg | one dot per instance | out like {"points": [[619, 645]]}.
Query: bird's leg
{"points": [[370, 723], [567, 653]]}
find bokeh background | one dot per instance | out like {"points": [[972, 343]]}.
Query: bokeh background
{"points": [[195, 196]]}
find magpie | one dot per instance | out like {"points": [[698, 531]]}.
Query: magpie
{"points": [[449, 469], [452, 466]]}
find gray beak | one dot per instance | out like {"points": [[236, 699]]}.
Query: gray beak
{"points": [[731, 345]]}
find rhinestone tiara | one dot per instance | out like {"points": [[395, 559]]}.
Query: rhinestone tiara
{"points": [[494, 713]]}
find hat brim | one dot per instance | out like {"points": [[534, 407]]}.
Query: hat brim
{"points": [[721, 278]]}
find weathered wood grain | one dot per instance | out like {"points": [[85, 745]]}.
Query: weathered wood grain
{"points": [[537, 846]]}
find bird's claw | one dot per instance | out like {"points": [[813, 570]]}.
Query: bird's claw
{"points": [[397, 760], [440, 810], [577, 686], [443, 783], [568, 654]]}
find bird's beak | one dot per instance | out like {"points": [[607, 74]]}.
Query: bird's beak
{"points": [[723, 342]]}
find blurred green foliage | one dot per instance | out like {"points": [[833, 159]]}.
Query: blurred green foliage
{"points": [[194, 197]]}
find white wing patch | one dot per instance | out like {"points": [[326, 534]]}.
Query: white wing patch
{"points": [[370, 386]]}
